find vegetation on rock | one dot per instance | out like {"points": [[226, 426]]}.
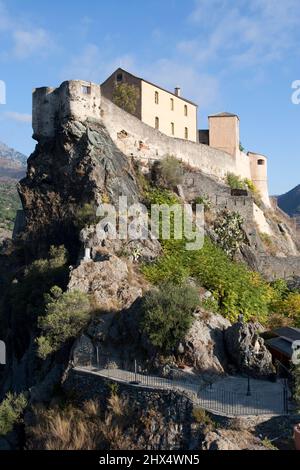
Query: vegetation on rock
{"points": [[167, 315], [66, 314], [11, 410], [236, 289], [9, 204], [169, 172], [229, 230]]}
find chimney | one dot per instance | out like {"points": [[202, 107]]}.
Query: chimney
{"points": [[178, 91]]}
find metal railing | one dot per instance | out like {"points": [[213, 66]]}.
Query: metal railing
{"points": [[207, 396]]}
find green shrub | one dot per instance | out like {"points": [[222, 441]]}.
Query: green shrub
{"points": [[86, 215], [235, 182], [203, 418], [26, 297], [126, 97], [229, 230], [167, 315], [169, 172], [254, 191], [289, 307], [205, 201], [161, 196], [66, 315], [11, 410], [268, 243], [236, 289], [9, 204]]}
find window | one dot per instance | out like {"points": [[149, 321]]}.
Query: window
{"points": [[156, 97], [185, 110], [260, 162], [86, 90], [186, 133], [172, 128], [156, 123], [119, 77], [172, 104]]}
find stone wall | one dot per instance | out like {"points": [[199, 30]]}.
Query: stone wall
{"points": [[51, 107], [136, 139], [176, 409], [80, 100], [279, 268]]}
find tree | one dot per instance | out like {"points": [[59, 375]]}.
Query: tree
{"points": [[229, 230], [167, 315], [11, 410], [126, 97], [169, 172], [67, 313]]}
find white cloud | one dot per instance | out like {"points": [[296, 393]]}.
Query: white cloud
{"points": [[26, 40], [242, 34], [27, 43], [18, 117]]}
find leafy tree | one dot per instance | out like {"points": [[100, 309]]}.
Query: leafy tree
{"points": [[11, 410], [66, 315], [229, 230], [26, 296], [169, 172], [167, 315], [126, 97], [289, 307], [236, 289]]}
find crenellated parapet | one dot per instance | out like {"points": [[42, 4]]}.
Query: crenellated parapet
{"points": [[73, 100]]}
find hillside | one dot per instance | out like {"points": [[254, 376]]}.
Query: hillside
{"points": [[69, 290], [12, 169], [12, 154], [290, 202]]}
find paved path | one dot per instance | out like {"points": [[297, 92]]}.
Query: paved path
{"points": [[226, 396]]}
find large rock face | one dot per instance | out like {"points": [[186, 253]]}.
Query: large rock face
{"points": [[112, 282], [247, 350], [80, 165], [204, 346]]}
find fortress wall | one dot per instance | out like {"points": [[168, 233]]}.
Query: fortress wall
{"points": [[137, 139], [243, 165], [76, 99], [259, 175], [280, 268], [44, 112]]}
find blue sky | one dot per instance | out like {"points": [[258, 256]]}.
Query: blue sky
{"points": [[239, 56]]}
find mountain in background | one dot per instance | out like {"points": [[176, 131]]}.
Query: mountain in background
{"points": [[290, 202], [12, 169], [8, 153]]}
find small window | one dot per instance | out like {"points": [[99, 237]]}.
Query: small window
{"points": [[185, 110], [172, 128], [260, 162], [186, 133], [119, 77], [86, 90], [156, 97], [156, 123], [172, 104]]}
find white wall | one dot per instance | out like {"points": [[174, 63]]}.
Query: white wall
{"points": [[166, 115]]}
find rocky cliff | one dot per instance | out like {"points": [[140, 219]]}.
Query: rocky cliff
{"points": [[78, 169]]}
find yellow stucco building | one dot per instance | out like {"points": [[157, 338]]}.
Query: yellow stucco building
{"points": [[167, 112]]}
